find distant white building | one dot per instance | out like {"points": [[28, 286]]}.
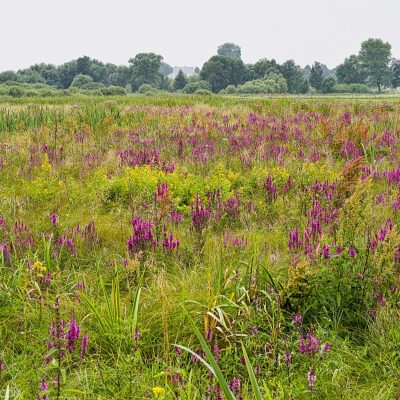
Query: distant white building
{"points": [[188, 71]]}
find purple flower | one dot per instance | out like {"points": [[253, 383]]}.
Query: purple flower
{"points": [[84, 345], [43, 385], [352, 252], [326, 347], [311, 379], [54, 218], [235, 385], [298, 319]]}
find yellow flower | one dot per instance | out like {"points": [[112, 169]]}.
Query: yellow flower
{"points": [[39, 268], [157, 391]]}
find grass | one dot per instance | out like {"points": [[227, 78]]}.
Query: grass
{"points": [[209, 292]]}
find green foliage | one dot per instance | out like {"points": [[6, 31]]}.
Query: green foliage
{"points": [[351, 88], [221, 71], [296, 83], [316, 76], [145, 70], [230, 50], [203, 92], [328, 85], [146, 88], [395, 67], [375, 58], [192, 87], [80, 81], [272, 83], [351, 71], [180, 81]]}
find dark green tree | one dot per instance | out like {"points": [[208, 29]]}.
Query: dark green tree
{"points": [[294, 76], [9, 76], [351, 71], [145, 68], [81, 80], [121, 76], [261, 68], [180, 81], [328, 84], [375, 57], [221, 71], [395, 67], [316, 76], [230, 50], [67, 73]]}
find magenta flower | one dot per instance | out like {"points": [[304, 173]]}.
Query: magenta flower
{"points": [[311, 379], [84, 345], [54, 218]]}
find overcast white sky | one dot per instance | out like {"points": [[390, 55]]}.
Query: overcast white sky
{"points": [[188, 32]]}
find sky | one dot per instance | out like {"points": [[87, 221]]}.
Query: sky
{"points": [[187, 33]]}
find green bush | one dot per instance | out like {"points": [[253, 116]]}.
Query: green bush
{"points": [[81, 80], [192, 87], [231, 89], [351, 88], [203, 92], [15, 92], [146, 88]]}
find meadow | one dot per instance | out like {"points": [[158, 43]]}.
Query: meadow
{"points": [[183, 247]]}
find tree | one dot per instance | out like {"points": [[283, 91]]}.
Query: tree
{"points": [[261, 68], [180, 81], [230, 50], [375, 57], [328, 84], [351, 71], [67, 72], [81, 80], [121, 76], [9, 76], [395, 67], [165, 69], [317, 76], [221, 71], [294, 76], [145, 69]]}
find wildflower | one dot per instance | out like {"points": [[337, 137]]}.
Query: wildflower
{"points": [[288, 358], [73, 335], [39, 268], [43, 385], [136, 335], [326, 347], [254, 330], [200, 215], [84, 345], [270, 189], [298, 319], [169, 243], [234, 385], [216, 352], [54, 219], [352, 252], [157, 391], [311, 379]]}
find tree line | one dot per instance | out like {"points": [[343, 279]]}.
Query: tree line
{"points": [[373, 68]]}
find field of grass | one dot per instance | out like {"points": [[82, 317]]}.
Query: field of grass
{"points": [[179, 247]]}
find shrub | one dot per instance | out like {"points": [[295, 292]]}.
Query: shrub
{"points": [[231, 89], [113, 91], [15, 91], [203, 92], [194, 86], [146, 88], [81, 80]]}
